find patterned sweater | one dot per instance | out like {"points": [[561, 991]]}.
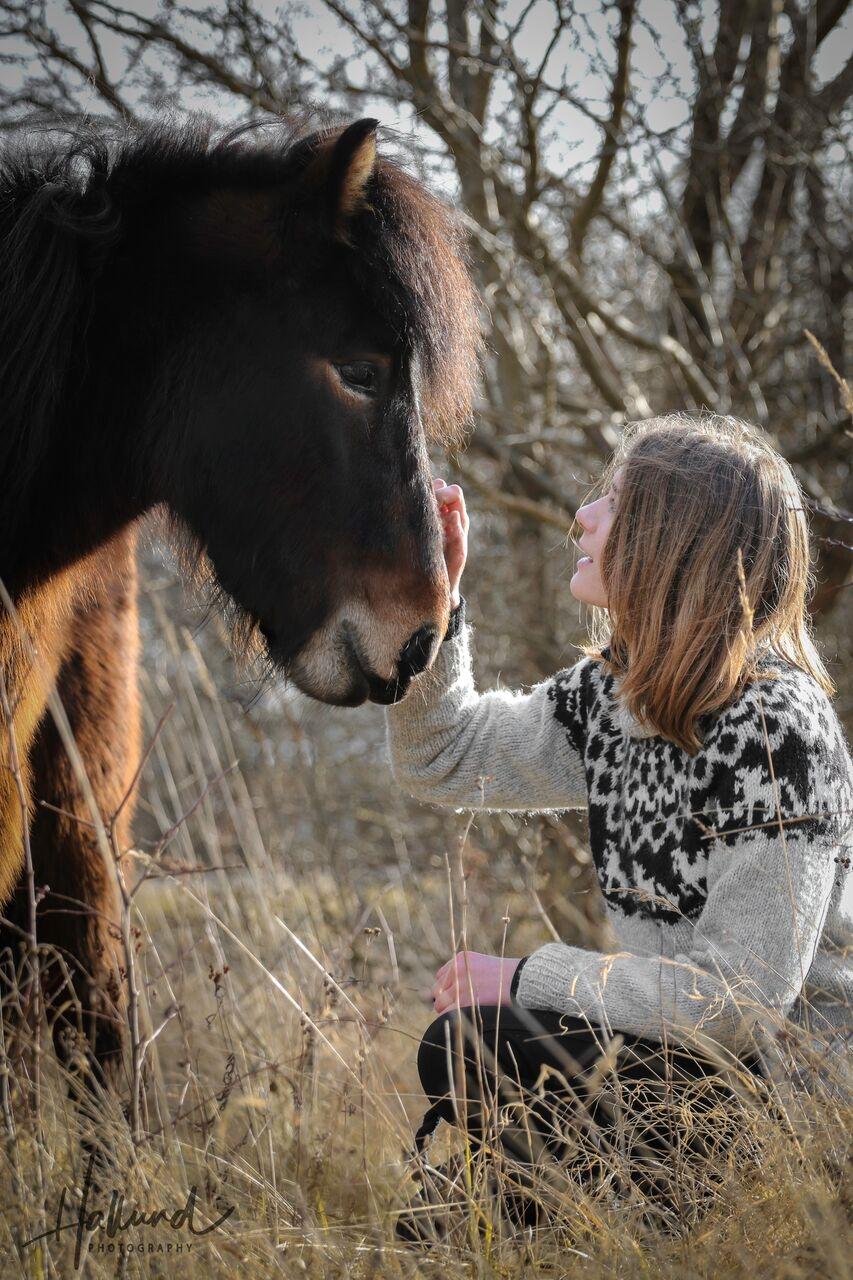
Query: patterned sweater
{"points": [[728, 930]]}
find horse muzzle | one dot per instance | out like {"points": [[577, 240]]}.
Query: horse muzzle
{"points": [[415, 656], [337, 665]]}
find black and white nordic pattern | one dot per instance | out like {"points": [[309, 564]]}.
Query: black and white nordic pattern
{"points": [[652, 805]]}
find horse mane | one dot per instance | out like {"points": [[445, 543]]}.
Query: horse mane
{"points": [[62, 204], [57, 224]]}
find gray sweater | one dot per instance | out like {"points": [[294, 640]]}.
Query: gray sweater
{"points": [[731, 926]]}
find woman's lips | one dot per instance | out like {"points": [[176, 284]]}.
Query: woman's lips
{"points": [[584, 560]]}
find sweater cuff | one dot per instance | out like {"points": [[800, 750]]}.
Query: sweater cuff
{"points": [[513, 986], [457, 621]]}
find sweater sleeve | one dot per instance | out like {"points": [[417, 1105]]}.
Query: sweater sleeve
{"points": [[768, 893], [453, 746]]}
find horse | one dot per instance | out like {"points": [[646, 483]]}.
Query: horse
{"points": [[258, 332]]}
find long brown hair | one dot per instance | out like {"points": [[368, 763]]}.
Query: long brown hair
{"points": [[706, 567]]}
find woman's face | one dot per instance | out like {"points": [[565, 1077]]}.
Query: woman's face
{"points": [[595, 519]]}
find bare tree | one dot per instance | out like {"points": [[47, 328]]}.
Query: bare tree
{"points": [[676, 264]]}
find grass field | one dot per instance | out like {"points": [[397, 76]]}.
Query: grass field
{"points": [[283, 941]]}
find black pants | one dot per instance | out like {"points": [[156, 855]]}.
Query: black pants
{"points": [[641, 1109]]}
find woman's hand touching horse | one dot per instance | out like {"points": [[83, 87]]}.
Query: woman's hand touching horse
{"points": [[473, 978], [454, 523]]}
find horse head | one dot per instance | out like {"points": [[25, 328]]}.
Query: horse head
{"points": [[272, 327], [322, 355]]}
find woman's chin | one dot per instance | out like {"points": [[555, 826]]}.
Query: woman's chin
{"points": [[586, 596]]}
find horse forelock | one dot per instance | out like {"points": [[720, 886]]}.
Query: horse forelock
{"points": [[409, 253], [407, 247], [414, 262]]}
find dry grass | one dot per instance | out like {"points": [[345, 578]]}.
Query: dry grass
{"points": [[281, 1001]]}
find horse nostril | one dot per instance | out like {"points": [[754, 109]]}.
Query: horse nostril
{"points": [[416, 651]]}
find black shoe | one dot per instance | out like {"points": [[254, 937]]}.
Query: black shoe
{"points": [[444, 1201], [438, 1204]]}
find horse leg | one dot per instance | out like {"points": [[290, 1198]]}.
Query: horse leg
{"points": [[78, 918]]}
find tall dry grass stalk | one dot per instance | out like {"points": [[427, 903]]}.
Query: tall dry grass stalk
{"points": [[276, 1005]]}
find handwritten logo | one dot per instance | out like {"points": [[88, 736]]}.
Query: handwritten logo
{"points": [[117, 1221]]}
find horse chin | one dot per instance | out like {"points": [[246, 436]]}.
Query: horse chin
{"points": [[352, 690], [352, 687], [361, 691], [355, 696], [334, 672]]}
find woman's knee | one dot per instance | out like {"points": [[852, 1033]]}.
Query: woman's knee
{"points": [[437, 1053], [462, 1035]]}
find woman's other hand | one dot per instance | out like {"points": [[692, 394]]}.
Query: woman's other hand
{"points": [[454, 523], [470, 974]]}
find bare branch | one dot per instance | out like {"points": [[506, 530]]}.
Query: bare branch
{"points": [[591, 202]]}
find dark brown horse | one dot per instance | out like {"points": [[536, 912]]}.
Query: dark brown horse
{"points": [[257, 333]]}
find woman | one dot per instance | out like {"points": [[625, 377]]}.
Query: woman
{"points": [[698, 730]]}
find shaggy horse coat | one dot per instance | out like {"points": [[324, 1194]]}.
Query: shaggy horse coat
{"points": [[257, 333]]}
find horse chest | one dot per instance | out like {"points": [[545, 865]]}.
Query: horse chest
{"points": [[32, 648]]}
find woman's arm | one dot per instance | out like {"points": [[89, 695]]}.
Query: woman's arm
{"points": [[451, 745], [497, 750]]}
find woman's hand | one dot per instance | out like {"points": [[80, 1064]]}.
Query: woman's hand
{"points": [[487, 977], [454, 523]]}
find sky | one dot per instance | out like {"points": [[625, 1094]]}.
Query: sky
{"points": [[662, 73]]}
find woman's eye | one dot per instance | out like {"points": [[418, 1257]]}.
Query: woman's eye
{"points": [[360, 375]]}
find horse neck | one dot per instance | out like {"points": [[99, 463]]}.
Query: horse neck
{"points": [[74, 379], [75, 500]]}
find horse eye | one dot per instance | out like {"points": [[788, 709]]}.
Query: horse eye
{"points": [[361, 375]]}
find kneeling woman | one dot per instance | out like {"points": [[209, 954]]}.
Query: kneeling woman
{"points": [[699, 732]]}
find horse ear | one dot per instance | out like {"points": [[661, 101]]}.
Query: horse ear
{"points": [[343, 167]]}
